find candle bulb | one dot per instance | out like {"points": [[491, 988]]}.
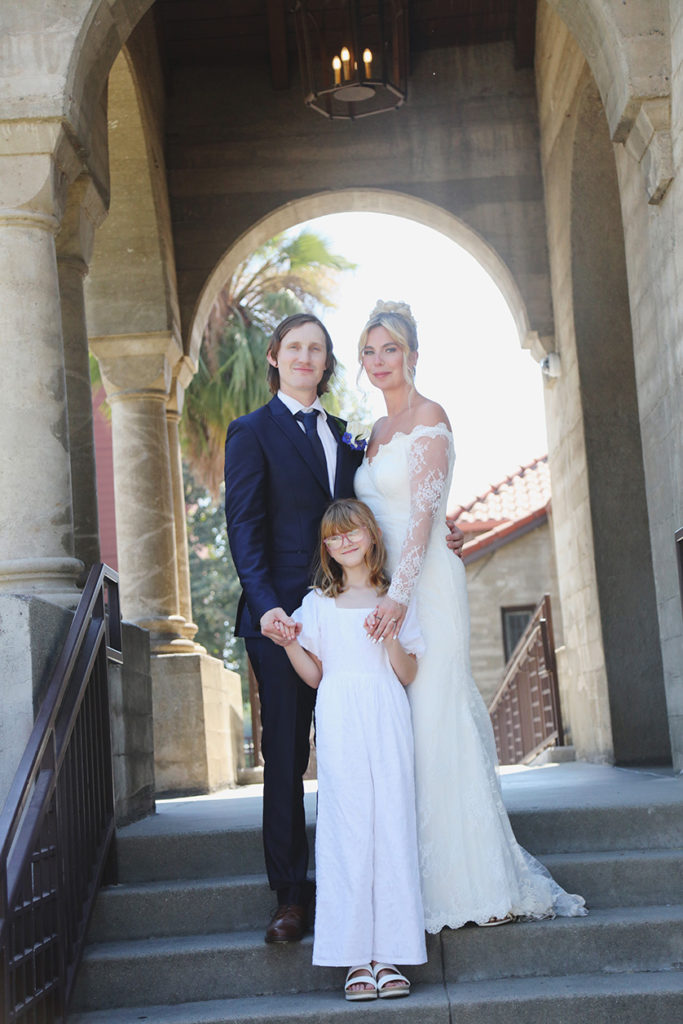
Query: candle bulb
{"points": [[367, 60], [336, 67], [346, 61]]}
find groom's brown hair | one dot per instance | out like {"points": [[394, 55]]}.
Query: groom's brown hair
{"points": [[296, 320]]}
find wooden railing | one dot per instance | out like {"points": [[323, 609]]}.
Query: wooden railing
{"points": [[57, 825], [525, 712]]}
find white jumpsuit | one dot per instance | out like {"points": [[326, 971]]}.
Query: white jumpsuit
{"points": [[368, 903]]}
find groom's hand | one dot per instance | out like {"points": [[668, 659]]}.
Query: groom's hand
{"points": [[279, 627], [455, 538]]}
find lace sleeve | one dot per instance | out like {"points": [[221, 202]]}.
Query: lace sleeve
{"points": [[428, 470]]}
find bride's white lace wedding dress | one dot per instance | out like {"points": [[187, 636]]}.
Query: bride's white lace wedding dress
{"points": [[472, 868]]}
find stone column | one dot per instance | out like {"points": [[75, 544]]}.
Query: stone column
{"points": [[136, 371], [37, 538], [174, 408], [84, 212]]}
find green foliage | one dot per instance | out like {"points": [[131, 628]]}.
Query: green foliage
{"points": [[283, 276], [214, 585]]}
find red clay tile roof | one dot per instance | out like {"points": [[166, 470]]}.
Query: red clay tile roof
{"points": [[525, 491], [511, 508]]}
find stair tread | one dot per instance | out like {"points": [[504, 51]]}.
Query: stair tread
{"points": [[165, 885], [570, 856], [434, 1000], [246, 939], [565, 986]]}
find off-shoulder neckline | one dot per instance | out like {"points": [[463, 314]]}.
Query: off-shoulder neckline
{"points": [[438, 427]]}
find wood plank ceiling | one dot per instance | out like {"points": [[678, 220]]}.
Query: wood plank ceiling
{"points": [[204, 32]]}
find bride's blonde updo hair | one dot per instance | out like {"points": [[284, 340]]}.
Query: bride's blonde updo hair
{"points": [[397, 319]]}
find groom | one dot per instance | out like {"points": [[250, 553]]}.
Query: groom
{"points": [[284, 463]]}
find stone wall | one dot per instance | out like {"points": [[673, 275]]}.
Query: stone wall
{"points": [[654, 253], [132, 732], [561, 75], [466, 141], [615, 458], [519, 573]]}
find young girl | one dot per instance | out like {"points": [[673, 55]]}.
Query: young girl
{"points": [[368, 903]]}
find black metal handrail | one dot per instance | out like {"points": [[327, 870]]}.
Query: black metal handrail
{"points": [[57, 825], [525, 710]]}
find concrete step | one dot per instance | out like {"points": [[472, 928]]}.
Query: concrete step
{"points": [[204, 906], [427, 1004], [585, 999], [620, 878], [612, 940], [189, 968], [197, 906], [158, 848], [239, 964]]}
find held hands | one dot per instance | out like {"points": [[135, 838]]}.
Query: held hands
{"points": [[385, 621], [279, 627], [455, 538]]}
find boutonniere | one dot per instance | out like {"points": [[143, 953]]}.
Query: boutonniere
{"points": [[357, 443]]}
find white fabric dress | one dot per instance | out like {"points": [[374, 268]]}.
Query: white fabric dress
{"points": [[368, 904], [471, 866]]}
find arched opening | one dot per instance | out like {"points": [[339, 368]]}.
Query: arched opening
{"points": [[609, 406], [370, 201], [468, 351]]}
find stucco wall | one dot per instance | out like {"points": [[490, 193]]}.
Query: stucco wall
{"points": [[519, 573], [466, 140]]}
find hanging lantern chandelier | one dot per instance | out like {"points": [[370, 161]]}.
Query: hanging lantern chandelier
{"points": [[353, 55]]}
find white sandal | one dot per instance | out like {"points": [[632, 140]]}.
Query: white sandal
{"points": [[393, 974], [367, 978], [493, 922]]}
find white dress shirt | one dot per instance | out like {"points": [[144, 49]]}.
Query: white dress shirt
{"points": [[325, 434]]}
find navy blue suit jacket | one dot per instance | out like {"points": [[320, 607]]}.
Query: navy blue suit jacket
{"points": [[275, 495]]}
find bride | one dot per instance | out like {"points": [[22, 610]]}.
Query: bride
{"points": [[472, 868]]}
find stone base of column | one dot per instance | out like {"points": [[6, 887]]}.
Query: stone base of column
{"points": [[53, 579], [198, 724], [167, 635], [33, 633], [132, 728]]}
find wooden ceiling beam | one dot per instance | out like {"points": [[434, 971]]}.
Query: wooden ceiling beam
{"points": [[277, 41], [525, 33]]}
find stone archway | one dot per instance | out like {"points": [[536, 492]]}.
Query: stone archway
{"points": [[366, 201]]}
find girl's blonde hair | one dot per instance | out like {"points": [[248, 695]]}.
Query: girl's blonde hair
{"points": [[397, 319], [342, 516]]}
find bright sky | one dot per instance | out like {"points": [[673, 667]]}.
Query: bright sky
{"points": [[470, 357]]}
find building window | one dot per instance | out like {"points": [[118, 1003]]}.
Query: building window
{"points": [[515, 621]]}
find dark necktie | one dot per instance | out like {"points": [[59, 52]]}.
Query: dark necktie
{"points": [[310, 422]]}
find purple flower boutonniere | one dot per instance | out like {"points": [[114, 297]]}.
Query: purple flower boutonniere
{"points": [[357, 443]]}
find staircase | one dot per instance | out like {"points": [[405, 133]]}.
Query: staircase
{"points": [[180, 940]]}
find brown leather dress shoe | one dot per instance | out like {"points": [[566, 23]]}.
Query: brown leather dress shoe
{"points": [[288, 924]]}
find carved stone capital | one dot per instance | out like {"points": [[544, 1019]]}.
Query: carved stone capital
{"points": [[539, 346], [40, 159], [136, 365], [85, 211], [650, 144]]}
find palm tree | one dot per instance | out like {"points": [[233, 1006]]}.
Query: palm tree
{"points": [[284, 276]]}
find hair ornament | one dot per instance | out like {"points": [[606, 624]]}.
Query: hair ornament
{"points": [[401, 309]]}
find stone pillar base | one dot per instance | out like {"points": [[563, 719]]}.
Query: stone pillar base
{"points": [[33, 631], [198, 727], [53, 579], [132, 730]]}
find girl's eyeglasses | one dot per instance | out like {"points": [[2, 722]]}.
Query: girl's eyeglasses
{"points": [[337, 539]]}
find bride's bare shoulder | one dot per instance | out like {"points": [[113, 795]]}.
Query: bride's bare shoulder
{"points": [[430, 414], [377, 428]]}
